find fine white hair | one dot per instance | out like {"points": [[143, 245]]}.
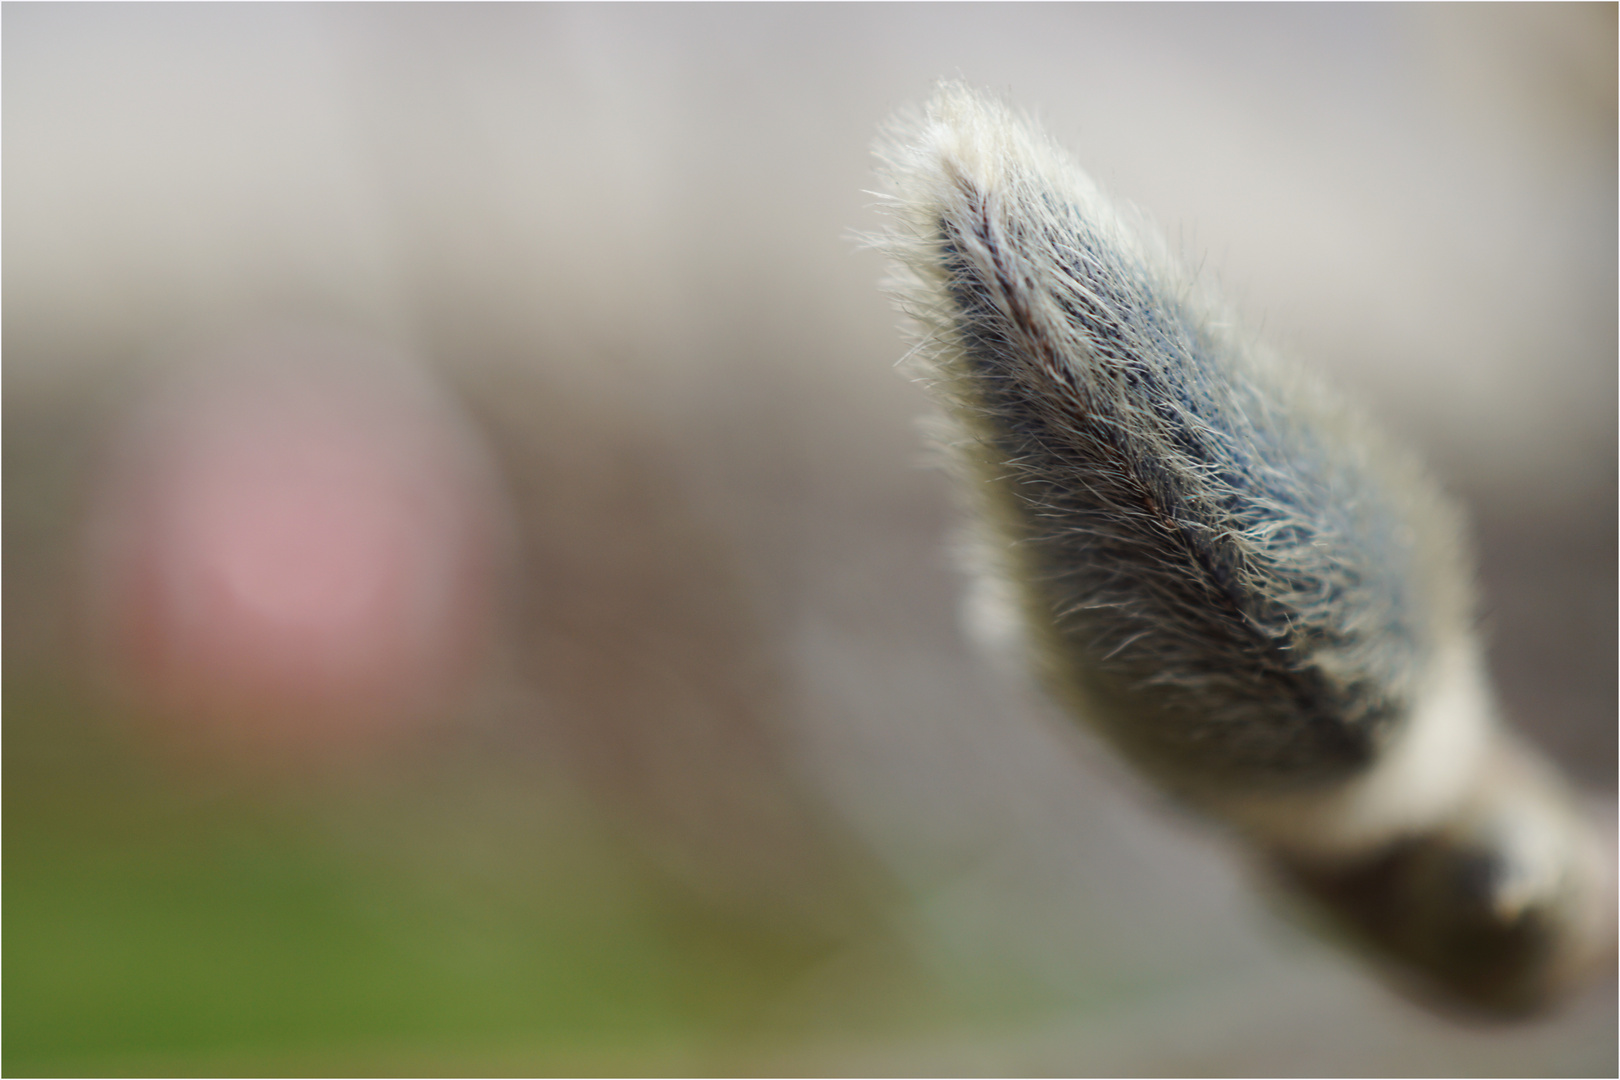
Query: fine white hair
{"points": [[1210, 558]]}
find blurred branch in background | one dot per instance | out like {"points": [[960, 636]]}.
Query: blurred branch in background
{"points": [[724, 790]]}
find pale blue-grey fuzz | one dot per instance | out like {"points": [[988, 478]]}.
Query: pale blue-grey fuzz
{"points": [[1210, 559]]}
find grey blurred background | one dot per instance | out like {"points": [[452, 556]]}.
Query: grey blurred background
{"points": [[735, 794]]}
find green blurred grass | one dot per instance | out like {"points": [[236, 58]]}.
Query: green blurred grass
{"points": [[163, 921]]}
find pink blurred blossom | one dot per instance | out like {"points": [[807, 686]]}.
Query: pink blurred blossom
{"points": [[296, 547]]}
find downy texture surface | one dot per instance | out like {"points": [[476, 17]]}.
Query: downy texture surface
{"points": [[1225, 569], [1228, 572]]}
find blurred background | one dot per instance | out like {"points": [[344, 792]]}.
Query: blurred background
{"points": [[532, 348]]}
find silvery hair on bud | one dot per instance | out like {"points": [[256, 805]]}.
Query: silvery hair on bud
{"points": [[1232, 576]]}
